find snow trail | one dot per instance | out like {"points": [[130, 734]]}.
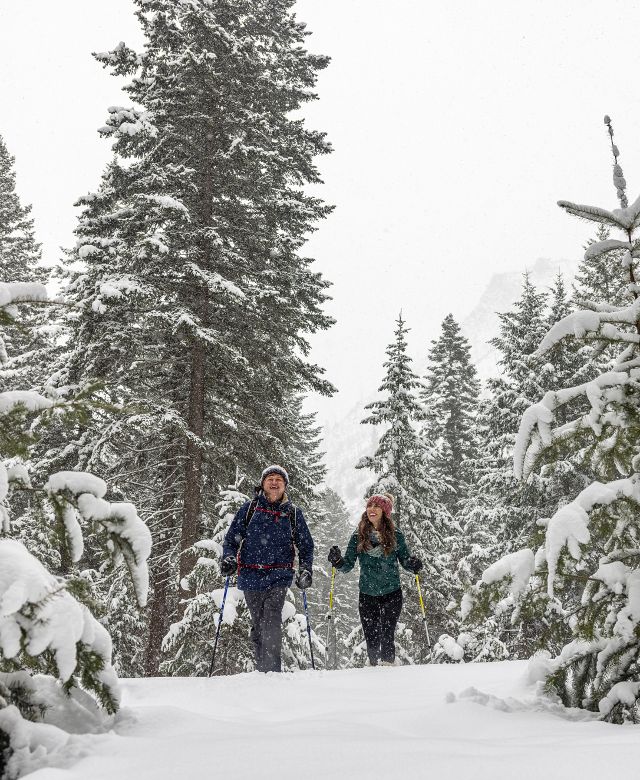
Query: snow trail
{"points": [[474, 722]]}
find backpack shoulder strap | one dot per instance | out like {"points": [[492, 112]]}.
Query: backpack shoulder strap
{"points": [[250, 513], [293, 520]]}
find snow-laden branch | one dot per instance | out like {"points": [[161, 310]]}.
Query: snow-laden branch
{"points": [[128, 122], [620, 578], [37, 613], [119, 519], [15, 292], [599, 248], [518, 565], [625, 219], [596, 323], [536, 433], [569, 526], [32, 401]]}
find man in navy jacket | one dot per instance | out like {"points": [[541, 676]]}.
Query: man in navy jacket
{"points": [[261, 546]]}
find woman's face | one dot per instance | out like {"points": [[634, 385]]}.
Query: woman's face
{"points": [[374, 513]]}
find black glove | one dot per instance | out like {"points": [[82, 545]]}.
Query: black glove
{"points": [[413, 564], [228, 565], [304, 578], [335, 557]]}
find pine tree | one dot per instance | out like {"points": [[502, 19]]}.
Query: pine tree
{"points": [[507, 513], [597, 279], [199, 299], [499, 511], [502, 513], [450, 397], [401, 464], [584, 576], [20, 256], [48, 627]]}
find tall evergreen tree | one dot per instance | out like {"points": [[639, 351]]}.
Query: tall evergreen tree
{"points": [[197, 299], [450, 398], [584, 575], [507, 512], [48, 626], [499, 512], [502, 512], [401, 464], [20, 256]]}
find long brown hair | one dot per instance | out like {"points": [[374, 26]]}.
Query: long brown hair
{"points": [[387, 534]]}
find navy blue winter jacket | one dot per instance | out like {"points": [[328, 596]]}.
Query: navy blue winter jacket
{"points": [[266, 542]]}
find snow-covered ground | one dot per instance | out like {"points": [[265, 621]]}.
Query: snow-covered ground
{"points": [[474, 722]]}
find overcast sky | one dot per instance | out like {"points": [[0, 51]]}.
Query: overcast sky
{"points": [[456, 126]]}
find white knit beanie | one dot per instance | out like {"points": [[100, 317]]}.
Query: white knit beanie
{"points": [[275, 470]]}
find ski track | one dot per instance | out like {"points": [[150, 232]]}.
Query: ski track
{"points": [[358, 723]]}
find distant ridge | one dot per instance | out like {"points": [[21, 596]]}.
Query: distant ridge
{"points": [[481, 325]]}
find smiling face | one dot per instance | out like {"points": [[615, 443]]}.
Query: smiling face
{"points": [[273, 487], [374, 513]]}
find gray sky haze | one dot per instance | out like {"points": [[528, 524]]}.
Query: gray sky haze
{"points": [[456, 126]]}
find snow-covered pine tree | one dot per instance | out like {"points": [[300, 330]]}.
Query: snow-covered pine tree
{"points": [[200, 301], [501, 512], [401, 464], [47, 627], [598, 279], [507, 512], [586, 573], [20, 257], [450, 398], [298, 446]]}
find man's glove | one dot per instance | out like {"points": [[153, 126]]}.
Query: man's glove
{"points": [[303, 580], [335, 557], [413, 564], [228, 566]]}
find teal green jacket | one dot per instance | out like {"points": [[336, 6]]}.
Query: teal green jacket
{"points": [[379, 573]]}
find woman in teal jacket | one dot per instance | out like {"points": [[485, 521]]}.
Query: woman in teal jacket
{"points": [[378, 546]]}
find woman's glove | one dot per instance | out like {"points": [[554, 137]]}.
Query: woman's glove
{"points": [[413, 564], [335, 557]]}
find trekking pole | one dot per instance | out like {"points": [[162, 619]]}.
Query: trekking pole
{"points": [[330, 615], [306, 612], [424, 616], [215, 644]]}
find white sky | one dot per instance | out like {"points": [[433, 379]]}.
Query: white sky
{"points": [[456, 126]]}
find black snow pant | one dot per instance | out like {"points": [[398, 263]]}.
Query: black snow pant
{"points": [[265, 607], [379, 615]]}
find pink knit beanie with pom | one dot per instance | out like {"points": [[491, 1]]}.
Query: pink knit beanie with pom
{"points": [[384, 501]]}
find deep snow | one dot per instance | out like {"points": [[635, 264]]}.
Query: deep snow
{"points": [[474, 721]]}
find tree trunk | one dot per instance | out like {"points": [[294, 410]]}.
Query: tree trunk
{"points": [[161, 573], [193, 465], [196, 411]]}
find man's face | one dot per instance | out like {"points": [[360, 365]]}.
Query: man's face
{"points": [[273, 487]]}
